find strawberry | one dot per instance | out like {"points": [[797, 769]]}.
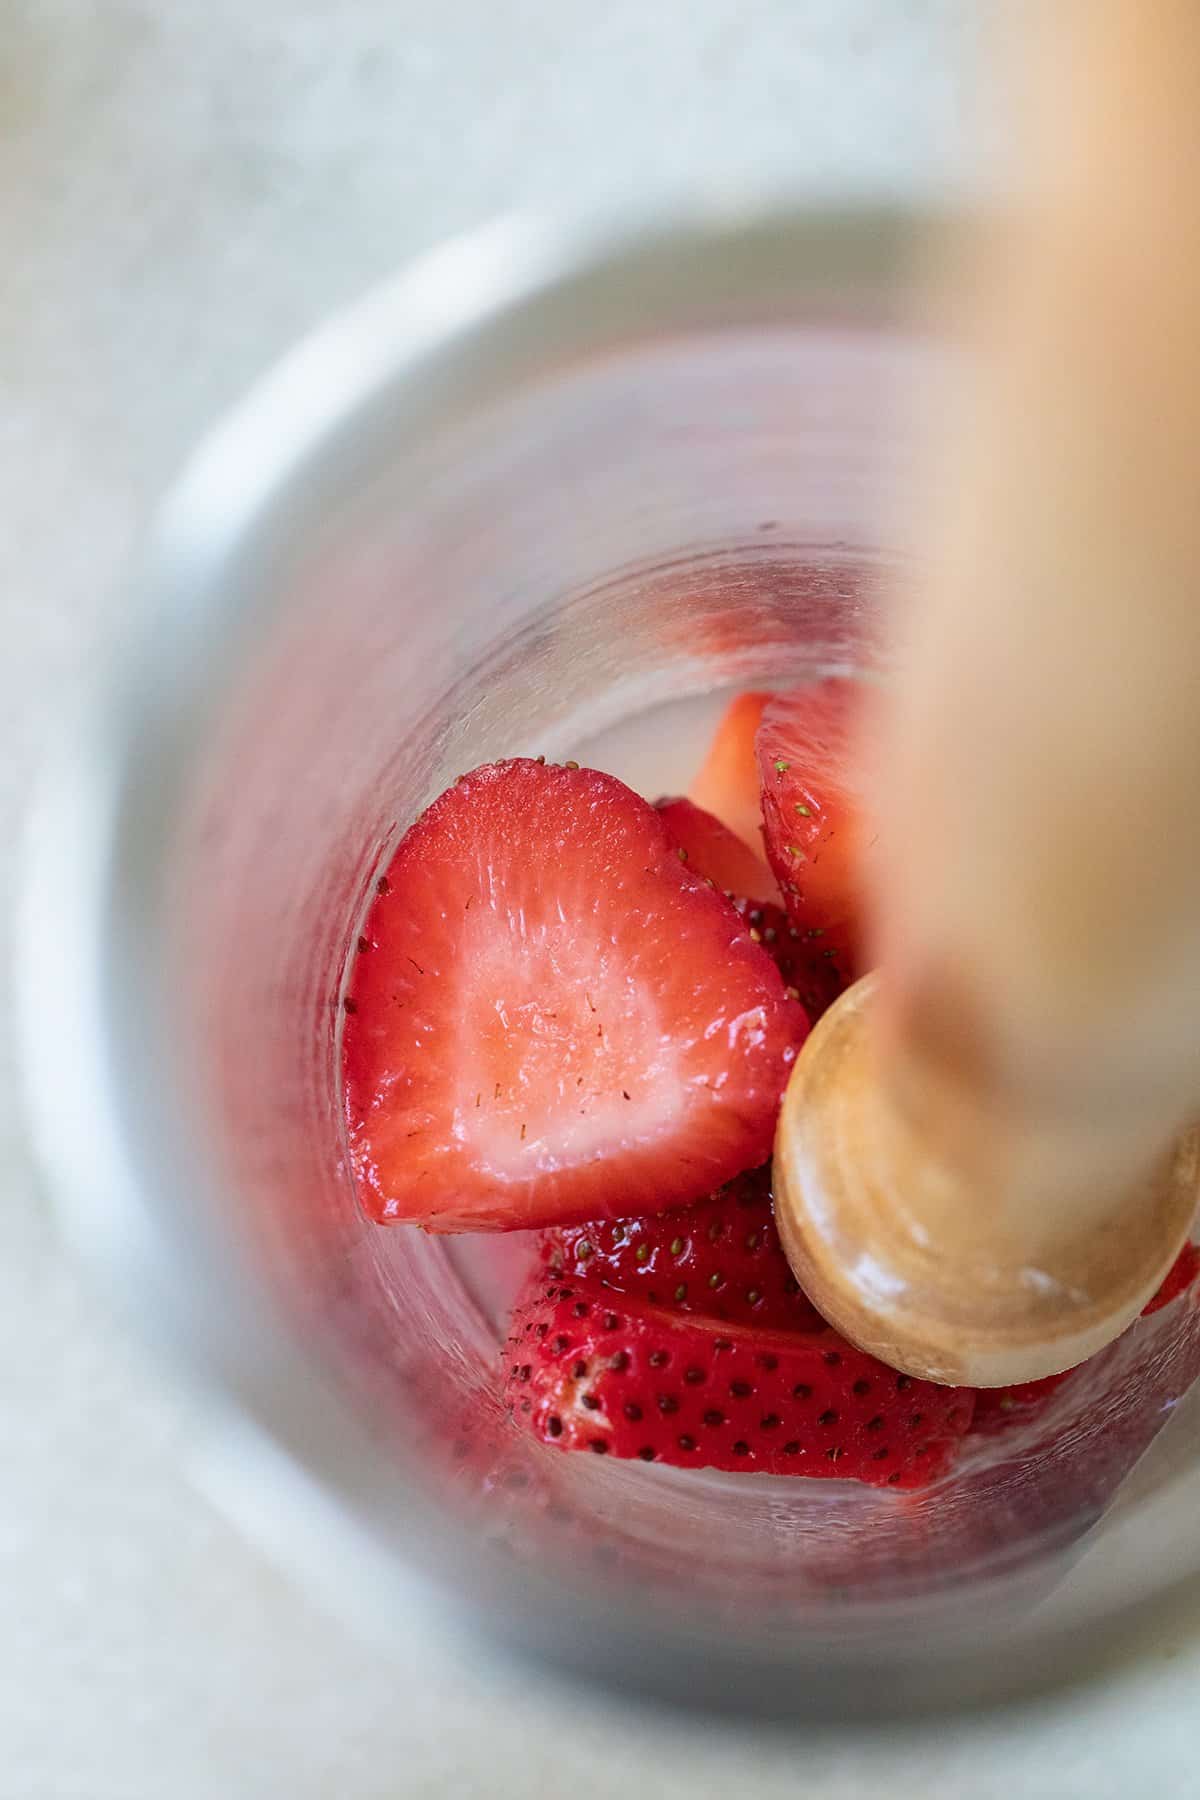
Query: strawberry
{"points": [[721, 1258], [550, 1017], [814, 980], [811, 812], [727, 781], [587, 1370], [713, 851]]}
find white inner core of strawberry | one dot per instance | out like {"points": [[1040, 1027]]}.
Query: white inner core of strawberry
{"points": [[556, 1065]]}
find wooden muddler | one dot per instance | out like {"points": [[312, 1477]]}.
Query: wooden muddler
{"points": [[985, 1164]]}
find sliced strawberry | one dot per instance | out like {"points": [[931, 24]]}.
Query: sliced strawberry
{"points": [[721, 1258], [727, 782], [814, 979], [811, 811], [713, 851], [588, 1370], [550, 1017]]}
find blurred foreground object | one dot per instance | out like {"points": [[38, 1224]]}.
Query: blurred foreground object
{"points": [[1009, 1191]]}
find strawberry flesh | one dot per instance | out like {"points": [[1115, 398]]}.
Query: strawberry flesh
{"points": [[590, 1370], [712, 850], [551, 1017], [809, 971], [810, 974], [812, 812], [722, 1258], [727, 781]]}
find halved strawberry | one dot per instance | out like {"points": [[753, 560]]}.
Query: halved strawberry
{"points": [[550, 1017], [813, 978], [712, 849], [721, 1258], [727, 781], [713, 852], [589, 1370], [812, 813]]}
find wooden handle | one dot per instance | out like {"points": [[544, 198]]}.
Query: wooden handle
{"points": [[982, 1169], [1039, 870], [958, 1254]]}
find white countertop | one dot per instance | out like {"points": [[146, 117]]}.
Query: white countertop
{"points": [[184, 186]]}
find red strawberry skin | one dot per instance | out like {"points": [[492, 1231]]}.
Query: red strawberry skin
{"points": [[722, 1259], [551, 1017], [712, 850], [811, 812], [589, 1370]]}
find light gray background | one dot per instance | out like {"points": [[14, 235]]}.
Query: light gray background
{"points": [[184, 186]]}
